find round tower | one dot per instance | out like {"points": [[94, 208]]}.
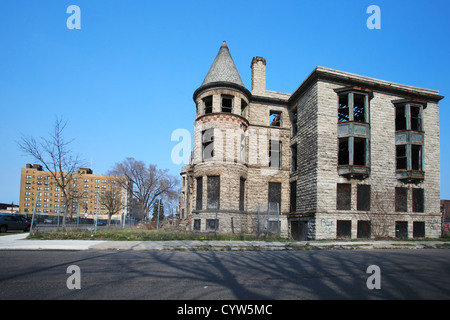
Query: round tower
{"points": [[220, 144]]}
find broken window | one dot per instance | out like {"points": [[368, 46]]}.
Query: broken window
{"points": [[344, 196], [416, 157], [353, 107], [199, 193], [401, 199], [274, 196], [402, 160], [359, 107], [418, 200], [227, 103], [294, 122], [294, 157], [275, 118], [416, 119], [275, 154], [208, 102], [241, 194], [352, 151], [363, 198], [400, 118], [359, 152], [293, 196], [343, 110], [408, 117], [208, 144], [213, 192]]}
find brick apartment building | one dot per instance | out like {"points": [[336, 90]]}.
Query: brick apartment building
{"points": [[343, 156], [88, 192]]}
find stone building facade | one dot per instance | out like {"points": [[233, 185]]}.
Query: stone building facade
{"points": [[344, 156]]}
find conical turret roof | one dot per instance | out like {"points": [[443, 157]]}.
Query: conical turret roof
{"points": [[223, 69]]}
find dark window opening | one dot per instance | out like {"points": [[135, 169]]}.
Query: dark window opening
{"points": [[343, 151], [199, 193], [418, 200], [241, 194], [400, 118], [359, 152], [416, 157], [415, 118], [343, 110], [343, 196], [227, 104], [401, 229], [363, 198], [208, 101], [359, 103], [208, 144], [294, 157], [293, 196], [213, 192], [402, 159], [197, 224], [418, 229], [344, 229], [401, 199], [274, 154], [212, 224], [275, 118], [274, 196], [363, 231]]}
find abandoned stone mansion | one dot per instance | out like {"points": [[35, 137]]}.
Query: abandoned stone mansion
{"points": [[343, 156]]}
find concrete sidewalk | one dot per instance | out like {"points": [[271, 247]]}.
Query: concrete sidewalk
{"points": [[19, 242]]}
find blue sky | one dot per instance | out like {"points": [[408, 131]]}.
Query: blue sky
{"points": [[125, 80]]}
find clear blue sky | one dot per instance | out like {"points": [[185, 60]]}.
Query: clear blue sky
{"points": [[125, 80]]}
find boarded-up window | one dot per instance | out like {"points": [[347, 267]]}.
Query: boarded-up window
{"points": [[418, 229], [293, 194], [208, 144], [212, 224], [199, 193], [343, 196], [363, 198], [401, 199], [401, 229], [213, 192], [274, 195], [363, 231], [241, 194], [418, 200], [275, 154], [197, 224], [344, 229]]}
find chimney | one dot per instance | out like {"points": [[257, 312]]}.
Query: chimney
{"points": [[258, 75]]}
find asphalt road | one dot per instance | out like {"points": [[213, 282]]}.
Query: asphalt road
{"points": [[242, 275]]}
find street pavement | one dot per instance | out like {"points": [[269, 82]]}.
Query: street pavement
{"points": [[19, 242]]}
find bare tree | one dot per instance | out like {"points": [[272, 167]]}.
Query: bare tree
{"points": [[54, 154], [148, 182], [112, 199]]}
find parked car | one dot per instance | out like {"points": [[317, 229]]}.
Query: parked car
{"points": [[13, 222]]}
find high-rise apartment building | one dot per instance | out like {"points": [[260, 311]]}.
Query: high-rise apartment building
{"points": [[89, 194]]}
